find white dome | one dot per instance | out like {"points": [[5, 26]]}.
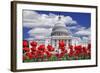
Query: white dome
{"points": [[59, 29]]}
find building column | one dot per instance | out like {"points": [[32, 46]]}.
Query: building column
{"points": [[69, 42], [55, 42], [66, 43]]}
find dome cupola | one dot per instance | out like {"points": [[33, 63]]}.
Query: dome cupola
{"points": [[59, 28]]}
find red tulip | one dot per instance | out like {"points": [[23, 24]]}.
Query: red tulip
{"points": [[29, 54], [41, 47], [34, 54], [40, 54], [61, 44], [61, 54], [50, 48], [79, 47], [57, 55], [89, 46], [48, 54], [77, 53], [62, 48], [33, 49], [78, 50], [25, 43], [33, 44], [71, 47], [89, 49], [65, 51], [26, 49], [84, 50], [71, 53]]}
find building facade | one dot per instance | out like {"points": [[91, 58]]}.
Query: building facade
{"points": [[60, 33]]}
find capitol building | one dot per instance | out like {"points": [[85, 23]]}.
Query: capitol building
{"points": [[60, 33]]}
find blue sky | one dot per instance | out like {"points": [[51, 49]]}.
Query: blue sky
{"points": [[82, 19]]}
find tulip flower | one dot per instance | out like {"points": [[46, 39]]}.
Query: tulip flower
{"points": [[41, 47], [48, 54], [29, 54], [71, 53], [71, 47], [50, 48], [89, 47], [40, 54], [84, 50], [26, 49], [34, 54], [61, 54], [33, 49], [25, 43], [62, 48], [33, 44], [61, 44]]}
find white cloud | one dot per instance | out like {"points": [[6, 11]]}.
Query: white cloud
{"points": [[86, 38], [30, 38], [76, 40], [69, 20], [27, 14], [76, 27], [41, 24], [84, 32], [72, 27], [39, 32], [33, 19]]}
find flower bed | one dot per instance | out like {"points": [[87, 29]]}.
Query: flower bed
{"points": [[41, 53]]}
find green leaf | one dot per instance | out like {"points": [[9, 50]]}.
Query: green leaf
{"points": [[53, 58]]}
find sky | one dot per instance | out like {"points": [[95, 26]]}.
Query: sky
{"points": [[38, 23]]}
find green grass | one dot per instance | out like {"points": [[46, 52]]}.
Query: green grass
{"points": [[54, 58]]}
